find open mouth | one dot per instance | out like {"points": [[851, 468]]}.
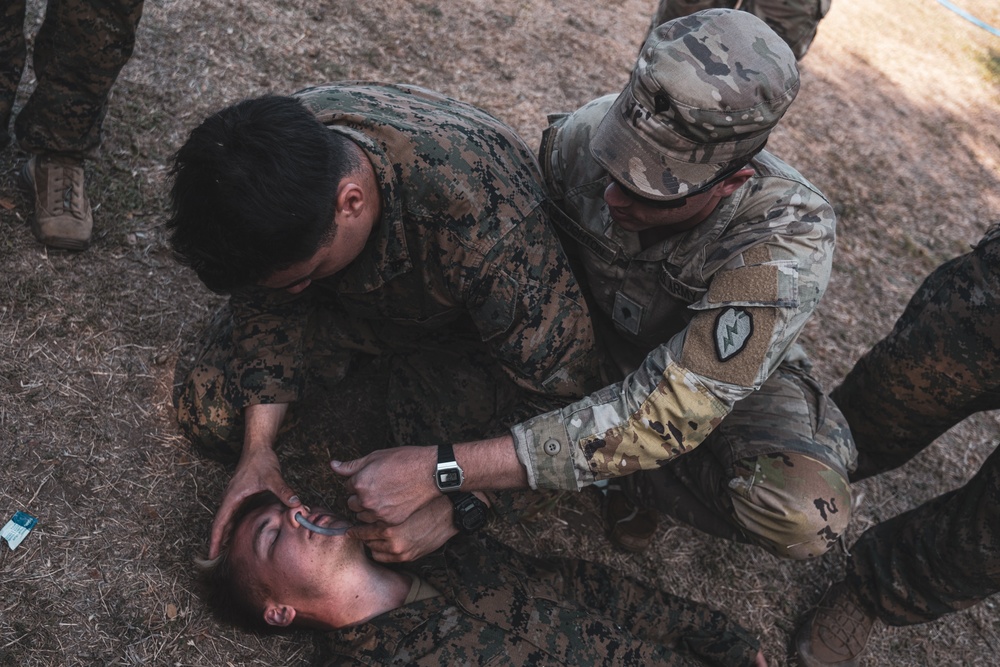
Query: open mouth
{"points": [[334, 525]]}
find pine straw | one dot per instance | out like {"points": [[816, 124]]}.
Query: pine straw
{"points": [[897, 122]]}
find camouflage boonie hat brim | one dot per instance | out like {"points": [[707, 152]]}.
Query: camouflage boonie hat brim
{"points": [[705, 93]]}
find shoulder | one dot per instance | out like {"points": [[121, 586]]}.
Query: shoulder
{"points": [[774, 173], [576, 129], [780, 198], [573, 172], [402, 106]]}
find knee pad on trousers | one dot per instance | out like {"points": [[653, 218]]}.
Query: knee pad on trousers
{"points": [[791, 504]]}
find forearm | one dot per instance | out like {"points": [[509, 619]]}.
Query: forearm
{"points": [[657, 413], [491, 464], [258, 469], [263, 422]]}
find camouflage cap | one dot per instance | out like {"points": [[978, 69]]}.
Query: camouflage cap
{"points": [[704, 95]]}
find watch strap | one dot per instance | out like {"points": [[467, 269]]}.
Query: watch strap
{"points": [[446, 454]]}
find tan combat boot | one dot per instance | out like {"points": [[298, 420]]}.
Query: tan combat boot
{"points": [[836, 633], [62, 212]]}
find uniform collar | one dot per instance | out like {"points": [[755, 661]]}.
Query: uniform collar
{"points": [[680, 248], [386, 255]]}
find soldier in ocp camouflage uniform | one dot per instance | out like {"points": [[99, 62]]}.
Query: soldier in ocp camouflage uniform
{"points": [[795, 21], [453, 272], [702, 257], [939, 364], [77, 55], [473, 602]]}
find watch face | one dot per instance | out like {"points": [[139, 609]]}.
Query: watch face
{"points": [[448, 479], [470, 513], [473, 518]]}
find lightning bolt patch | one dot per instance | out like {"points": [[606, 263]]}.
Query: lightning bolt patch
{"points": [[733, 328]]}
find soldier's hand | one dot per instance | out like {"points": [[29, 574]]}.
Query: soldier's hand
{"points": [[426, 530], [389, 485], [258, 470]]}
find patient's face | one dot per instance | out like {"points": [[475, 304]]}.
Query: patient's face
{"points": [[287, 559]]}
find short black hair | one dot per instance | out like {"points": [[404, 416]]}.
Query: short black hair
{"points": [[229, 592], [254, 191]]}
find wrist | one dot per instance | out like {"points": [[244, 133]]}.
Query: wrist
{"points": [[491, 464], [469, 512], [448, 475], [255, 447]]}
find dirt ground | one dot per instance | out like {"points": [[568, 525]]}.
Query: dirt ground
{"points": [[897, 122]]}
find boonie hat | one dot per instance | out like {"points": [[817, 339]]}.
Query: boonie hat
{"points": [[703, 96]]}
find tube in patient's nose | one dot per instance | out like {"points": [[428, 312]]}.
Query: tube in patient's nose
{"points": [[306, 523]]}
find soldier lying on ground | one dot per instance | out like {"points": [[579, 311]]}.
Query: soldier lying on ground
{"points": [[473, 602], [702, 256], [356, 220], [939, 364]]}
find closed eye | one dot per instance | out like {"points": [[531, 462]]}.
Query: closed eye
{"points": [[274, 540]]}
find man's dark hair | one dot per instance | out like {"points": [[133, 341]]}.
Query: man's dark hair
{"points": [[254, 191], [230, 593]]}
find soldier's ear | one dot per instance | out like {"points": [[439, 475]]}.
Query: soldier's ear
{"points": [[280, 615], [351, 197], [733, 183]]}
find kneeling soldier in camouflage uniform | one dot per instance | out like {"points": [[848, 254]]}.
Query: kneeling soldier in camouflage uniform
{"points": [[940, 364], [474, 602], [370, 219], [795, 21], [703, 256]]}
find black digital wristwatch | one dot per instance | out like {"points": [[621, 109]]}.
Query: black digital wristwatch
{"points": [[448, 475], [471, 513]]}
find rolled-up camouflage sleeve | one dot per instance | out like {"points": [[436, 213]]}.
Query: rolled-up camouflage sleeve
{"points": [[268, 347], [529, 309], [744, 327]]}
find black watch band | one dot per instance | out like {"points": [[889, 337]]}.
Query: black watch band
{"points": [[448, 475], [470, 513]]}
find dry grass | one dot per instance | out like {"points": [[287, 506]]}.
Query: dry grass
{"points": [[897, 121]]}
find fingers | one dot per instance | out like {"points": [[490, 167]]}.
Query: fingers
{"points": [[348, 468], [273, 481], [362, 514], [422, 533], [220, 525], [367, 532], [286, 495], [387, 547], [253, 476]]}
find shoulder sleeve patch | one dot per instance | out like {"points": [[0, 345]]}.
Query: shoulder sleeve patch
{"points": [[729, 345], [733, 328]]}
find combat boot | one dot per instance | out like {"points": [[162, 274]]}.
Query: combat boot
{"points": [[836, 632], [63, 218]]}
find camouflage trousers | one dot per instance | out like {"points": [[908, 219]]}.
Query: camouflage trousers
{"points": [[939, 364], [795, 21], [77, 55], [445, 388], [774, 473]]}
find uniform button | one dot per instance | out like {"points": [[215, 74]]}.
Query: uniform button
{"points": [[552, 446]]}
